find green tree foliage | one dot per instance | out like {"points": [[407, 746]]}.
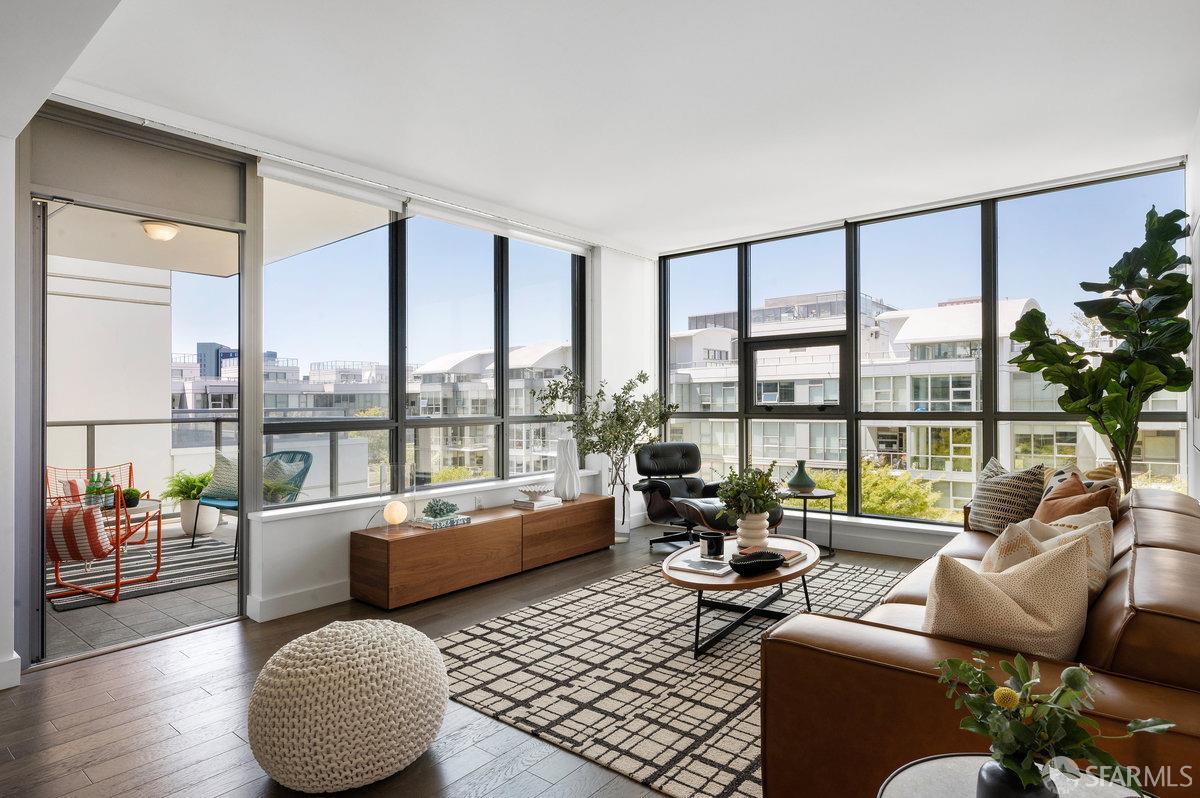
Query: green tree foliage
{"points": [[884, 492], [1146, 292], [458, 474]]}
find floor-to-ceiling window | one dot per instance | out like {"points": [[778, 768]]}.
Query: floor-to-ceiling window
{"points": [[408, 353], [898, 411]]}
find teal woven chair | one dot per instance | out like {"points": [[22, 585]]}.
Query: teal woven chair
{"points": [[231, 505]]}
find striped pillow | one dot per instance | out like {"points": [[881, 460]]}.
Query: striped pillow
{"points": [[1004, 497], [75, 533], [72, 488]]}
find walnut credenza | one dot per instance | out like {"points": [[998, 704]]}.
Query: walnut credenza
{"points": [[394, 566]]}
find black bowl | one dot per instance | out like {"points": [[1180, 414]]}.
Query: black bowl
{"points": [[760, 562]]}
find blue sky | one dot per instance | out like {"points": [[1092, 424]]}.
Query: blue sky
{"points": [[331, 303], [1047, 244]]}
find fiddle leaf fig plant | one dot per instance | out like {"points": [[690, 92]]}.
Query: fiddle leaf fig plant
{"points": [[1144, 296], [615, 424]]}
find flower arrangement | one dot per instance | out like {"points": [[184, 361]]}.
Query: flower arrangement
{"points": [[747, 492], [1029, 731]]}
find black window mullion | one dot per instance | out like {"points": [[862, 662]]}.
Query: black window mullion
{"points": [[578, 320], [398, 356], [664, 334], [746, 396], [850, 361], [500, 362], [989, 296]]}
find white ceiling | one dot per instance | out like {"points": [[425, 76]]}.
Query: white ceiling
{"points": [[675, 123]]}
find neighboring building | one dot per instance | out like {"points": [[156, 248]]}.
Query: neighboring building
{"points": [[915, 360]]}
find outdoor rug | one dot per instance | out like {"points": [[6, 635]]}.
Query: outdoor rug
{"points": [[182, 566], [606, 671]]}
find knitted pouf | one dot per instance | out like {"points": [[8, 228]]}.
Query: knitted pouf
{"points": [[347, 705]]}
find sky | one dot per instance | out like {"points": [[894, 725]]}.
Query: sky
{"points": [[1047, 244], [331, 303]]}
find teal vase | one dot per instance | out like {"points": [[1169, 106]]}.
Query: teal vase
{"points": [[801, 482]]}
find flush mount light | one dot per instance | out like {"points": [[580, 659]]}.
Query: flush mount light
{"points": [[159, 231]]}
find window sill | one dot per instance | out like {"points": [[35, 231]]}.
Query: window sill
{"points": [[843, 521], [425, 494]]}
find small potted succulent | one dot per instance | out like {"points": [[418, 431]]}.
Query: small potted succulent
{"points": [[1034, 733], [749, 496], [440, 508], [132, 496]]}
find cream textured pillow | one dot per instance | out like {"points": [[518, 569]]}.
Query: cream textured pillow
{"points": [[1038, 607], [1020, 542]]}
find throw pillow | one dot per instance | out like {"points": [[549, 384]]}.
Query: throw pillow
{"points": [[1095, 515], [1070, 497], [1091, 483], [278, 471], [1020, 542], [73, 488], [1003, 497], [1038, 606], [224, 482], [77, 533]]}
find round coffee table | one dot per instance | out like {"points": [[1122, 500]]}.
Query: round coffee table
{"points": [[731, 581]]}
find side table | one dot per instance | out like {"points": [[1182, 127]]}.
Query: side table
{"points": [[820, 495], [954, 776]]}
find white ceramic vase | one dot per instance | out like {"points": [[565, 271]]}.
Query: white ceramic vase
{"points": [[205, 523], [567, 483], [752, 530]]}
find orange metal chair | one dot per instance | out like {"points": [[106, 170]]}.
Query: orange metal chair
{"points": [[66, 486], [117, 536]]}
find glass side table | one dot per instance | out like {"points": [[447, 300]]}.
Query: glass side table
{"points": [[954, 776], [814, 495]]}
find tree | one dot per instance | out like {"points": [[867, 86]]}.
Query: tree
{"points": [[884, 492], [457, 474], [1146, 291]]}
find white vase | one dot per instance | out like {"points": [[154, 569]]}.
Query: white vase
{"points": [[567, 484], [752, 530], [204, 524]]}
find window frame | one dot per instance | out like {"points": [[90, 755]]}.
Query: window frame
{"points": [[986, 420], [398, 422]]}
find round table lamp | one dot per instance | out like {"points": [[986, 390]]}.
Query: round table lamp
{"points": [[395, 512]]}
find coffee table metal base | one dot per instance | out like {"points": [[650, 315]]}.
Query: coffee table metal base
{"points": [[758, 610]]}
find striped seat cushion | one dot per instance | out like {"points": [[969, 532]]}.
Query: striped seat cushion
{"points": [[75, 533], [1004, 497]]}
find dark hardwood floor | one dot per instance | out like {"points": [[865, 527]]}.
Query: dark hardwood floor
{"points": [[168, 718]]}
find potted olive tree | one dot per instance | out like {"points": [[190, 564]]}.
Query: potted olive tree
{"points": [[614, 425]]}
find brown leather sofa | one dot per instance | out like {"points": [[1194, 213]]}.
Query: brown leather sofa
{"points": [[846, 702]]}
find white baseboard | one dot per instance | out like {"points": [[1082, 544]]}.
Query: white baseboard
{"points": [[268, 609], [10, 670]]}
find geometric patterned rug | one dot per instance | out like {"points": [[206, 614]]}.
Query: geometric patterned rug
{"points": [[182, 566], [606, 671]]}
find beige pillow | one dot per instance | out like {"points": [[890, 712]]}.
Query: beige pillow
{"points": [[1093, 480], [1019, 542], [1038, 606], [1096, 515]]}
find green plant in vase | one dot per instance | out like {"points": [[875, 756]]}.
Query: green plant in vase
{"points": [[132, 496], [1032, 732], [749, 497], [186, 486]]}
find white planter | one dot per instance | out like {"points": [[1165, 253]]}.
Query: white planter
{"points": [[752, 530], [567, 483], [205, 524]]}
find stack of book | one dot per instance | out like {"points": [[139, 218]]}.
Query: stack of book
{"points": [[540, 503], [790, 556], [444, 522]]}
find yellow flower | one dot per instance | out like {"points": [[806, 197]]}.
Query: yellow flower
{"points": [[1006, 698]]}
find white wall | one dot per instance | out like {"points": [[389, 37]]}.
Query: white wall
{"points": [[10, 663], [622, 334]]}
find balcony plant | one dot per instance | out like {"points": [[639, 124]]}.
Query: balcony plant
{"points": [[185, 487], [1032, 733], [132, 497], [614, 425], [1146, 291], [749, 496]]}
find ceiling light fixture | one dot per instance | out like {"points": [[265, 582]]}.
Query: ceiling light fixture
{"points": [[159, 231]]}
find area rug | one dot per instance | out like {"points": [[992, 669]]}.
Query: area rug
{"points": [[606, 671], [182, 566]]}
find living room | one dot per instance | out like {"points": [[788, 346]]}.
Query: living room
{"points": [[680, 399]]}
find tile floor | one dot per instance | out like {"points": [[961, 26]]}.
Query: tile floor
{"points": [[81, 630]]}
